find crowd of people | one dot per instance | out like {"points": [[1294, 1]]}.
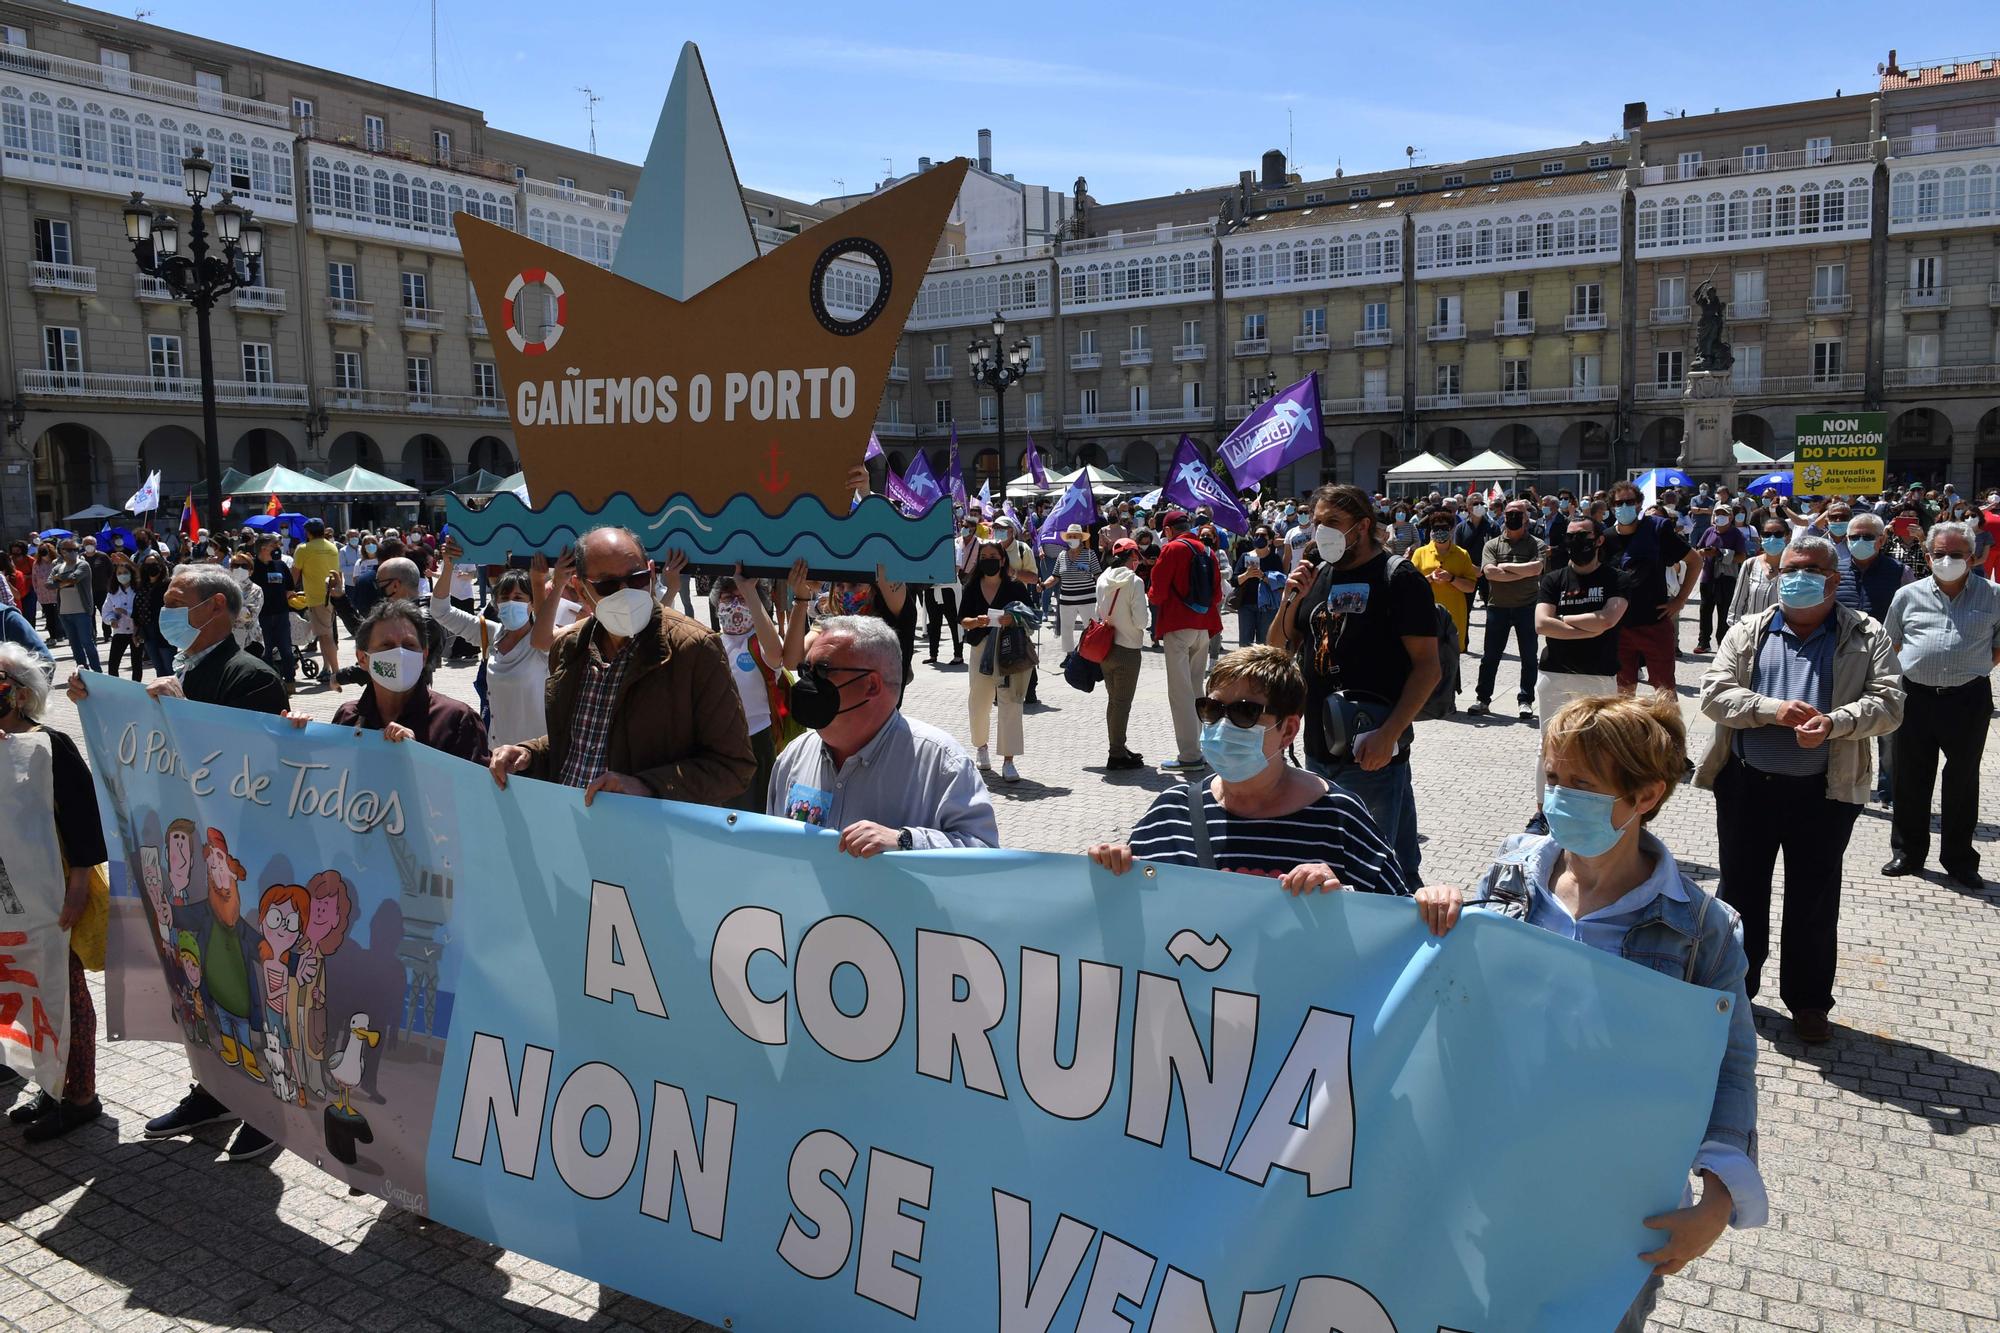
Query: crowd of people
{"points": [[1848, 643]]}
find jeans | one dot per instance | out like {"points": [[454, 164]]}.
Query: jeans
{"points": [[1952, 724], [1253, 621], [82, 636], [1186, 652], [159, 651], [1121, 682], [1391, 802], [278, 650], [1758, 815], [1500, 621]]}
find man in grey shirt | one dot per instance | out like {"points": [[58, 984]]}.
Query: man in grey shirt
{"points": [[886, 782], [1946, 631]]}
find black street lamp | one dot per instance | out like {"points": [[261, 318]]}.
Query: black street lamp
{"points": [[200, 278], [999, 371]]}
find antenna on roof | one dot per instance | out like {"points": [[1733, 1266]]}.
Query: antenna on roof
{"points": [[1290, 156], [890, 163], [590, 101], [1410, 151]]}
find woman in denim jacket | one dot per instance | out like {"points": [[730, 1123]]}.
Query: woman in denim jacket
{"points": [[1600, 878]]}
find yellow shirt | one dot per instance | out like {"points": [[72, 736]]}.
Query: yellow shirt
{"points": [[1457, 563], [313, 561]]}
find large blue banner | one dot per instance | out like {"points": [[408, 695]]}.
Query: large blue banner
{"points": [[705, 1058]]}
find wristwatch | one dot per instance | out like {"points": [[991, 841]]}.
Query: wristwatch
{"points": [[904, 842]]}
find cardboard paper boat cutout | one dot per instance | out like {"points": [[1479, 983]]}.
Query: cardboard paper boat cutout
{"points": [[723, 420]]}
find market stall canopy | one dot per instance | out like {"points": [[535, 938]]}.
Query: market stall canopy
{"points": [[94, 512], [1424, 467], [1105, 482], [1747, 457], [1491, 463], [480, 483], [285, 481], [231, 479], [359, 481]]}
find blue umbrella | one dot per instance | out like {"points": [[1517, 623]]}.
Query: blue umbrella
{"points": [[116, 539], [1781, 482], [55, 533], [1663, 477]]}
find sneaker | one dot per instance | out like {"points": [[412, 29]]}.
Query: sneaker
{"points": [[1119, 762], [1183, 766], [198, 1108], [1538, 825], [985, 760], [1008, 773], [62, 1118], [250, 1143], [1526, 714], [1479, 709], [28, 1112]]}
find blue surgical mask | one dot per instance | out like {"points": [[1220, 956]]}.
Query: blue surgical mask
{"points": [[1837, 526], [175, 628], [1774, 546], [1402, 516], [513, 615], [1235, 753], [1627, 513], [1801, 589], [1580, 821], [1861, 548]]}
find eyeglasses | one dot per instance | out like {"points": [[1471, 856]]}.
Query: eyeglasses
{"points": [[1243, 713], [638, 578]]}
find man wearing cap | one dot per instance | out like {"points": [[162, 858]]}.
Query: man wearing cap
{"points": [[1186, 592]]}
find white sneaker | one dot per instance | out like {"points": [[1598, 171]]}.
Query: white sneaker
{"points": [[1008, 773], [985, 761]]}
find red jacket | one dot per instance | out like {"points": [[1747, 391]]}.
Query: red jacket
{"points": [[1170, 581]]}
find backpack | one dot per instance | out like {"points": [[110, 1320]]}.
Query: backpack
{"points": [[1445, 693], [1199, 595]]}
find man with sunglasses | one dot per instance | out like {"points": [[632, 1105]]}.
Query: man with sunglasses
{"points": [[641, 701]]}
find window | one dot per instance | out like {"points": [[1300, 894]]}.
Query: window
{"points": [[1031, 407], [52, 241], [1034, 349], [374, 133], [940, 357], [257, 363], [1756, 157], [1140, 337], [1375, 385], [1829, 359], [62, 349], [1515, 307], [118, 67], [1453, 181], [567, 184], [417, 375], [1448, 381], [1375, 317], [1586, 372], [441, 147], [1276, 201], [1253, 328], [1920, 350], [1316, 197], [1503, 173], [1690, 166], [989, 410], [616, 198], [1086, 341], [1406, 187], [941, 411], [1747, 292], [892, 409], [1087, 402], [416, 292], [1923, 138], [1141, 398], [1190, 395], [302, 112], [1819, 149], [13, 36], [1190, 333], [1587, 298], [1553, 168], [163, 357], [1667, 368], [1926, 272], [485, 382], [1673, 294], [1747, 372], [1358, 192], [347, 370], [1598, 161], [1514, 375], [1829, 282], [340, 281], [1313, 323]]}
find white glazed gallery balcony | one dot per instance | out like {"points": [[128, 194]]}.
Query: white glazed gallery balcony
{"points": [[96, 385], [47, 277]]}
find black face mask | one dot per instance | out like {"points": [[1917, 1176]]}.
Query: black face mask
{"points": [[1582, 547], [815, 698], [1516, 520], [988, 567]]}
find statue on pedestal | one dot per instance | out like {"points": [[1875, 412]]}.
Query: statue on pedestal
{"points": [[1711, 352]]}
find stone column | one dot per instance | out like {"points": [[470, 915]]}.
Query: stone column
{"points": [[1708, 407]]}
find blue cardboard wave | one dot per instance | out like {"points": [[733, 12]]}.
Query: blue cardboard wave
{"points": [[910, 550]]}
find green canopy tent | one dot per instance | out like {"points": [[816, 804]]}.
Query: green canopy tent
{"points": [[358, 483], [290, 483], [475, 486]]}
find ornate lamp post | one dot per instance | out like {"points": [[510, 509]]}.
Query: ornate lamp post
{"points": [[199, 278], [999, 371]]}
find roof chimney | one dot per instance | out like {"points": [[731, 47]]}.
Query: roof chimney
{"points": [[923, 164], [1274, 169], [986, 150], [1635, 115]]}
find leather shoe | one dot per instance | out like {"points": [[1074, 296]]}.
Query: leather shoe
{"points": [[1900, 865], [1967, 877], [1812, 1027]]}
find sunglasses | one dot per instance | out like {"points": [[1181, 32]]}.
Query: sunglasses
{"points": [[1243, 713], [605, 587]]}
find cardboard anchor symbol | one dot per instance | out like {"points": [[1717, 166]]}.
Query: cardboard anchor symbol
{"points": [[771, 479]]}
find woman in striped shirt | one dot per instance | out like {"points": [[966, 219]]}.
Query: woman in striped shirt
{"points": [[1261, 815], [1075, 582]]}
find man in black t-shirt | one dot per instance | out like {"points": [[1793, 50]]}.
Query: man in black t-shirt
{"points": [[1364, 631], [1645, 547], [1578, 617]]}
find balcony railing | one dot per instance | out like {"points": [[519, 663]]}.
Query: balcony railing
{"points": [[1136, 356], [1035, 366], [149, 288], [21, 60], [932, 374], [46, 277], [770, 236], [1571, 393], [1310, 342], [409, 150], [1993, 293], [899, 374], [347, 310], [1145, 416], [1085, 360], [1251, 347], [1431, 402], [1662, 172], [896, 430], [1941, 376], [475, 324], [1749, 309], [569, 194], [1444, 333], [1373, 337], [1392, 402], [1583, 323], [1670, 314], [1916, 145], [1133, 239], [1014, 254], [1199, 351], [419, 404], [1512, 328], [1837, 304], [260, 298], [1926, 298], [422, 318], [146, 389], [1768, 386]]}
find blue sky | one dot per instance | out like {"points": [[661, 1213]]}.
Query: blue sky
{"points": [[1139, 98]]}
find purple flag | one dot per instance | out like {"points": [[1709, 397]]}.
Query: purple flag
{"points": [[921, 485], [955, 477], [874, 449], [1192, 486], [900, 494], [1282, 431], [1034, 461], [1078, 505]]}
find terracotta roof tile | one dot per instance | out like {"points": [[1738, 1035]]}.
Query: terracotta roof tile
{"points": [[1938, 76]]}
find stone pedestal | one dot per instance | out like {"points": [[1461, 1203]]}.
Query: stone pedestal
{"points": [[1708, 405]]}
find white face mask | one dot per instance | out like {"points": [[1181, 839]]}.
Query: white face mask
{"points": [[397, 669], [625, 612], [1332, 543], [513, 615], [1073, 542], [1948, 568]]}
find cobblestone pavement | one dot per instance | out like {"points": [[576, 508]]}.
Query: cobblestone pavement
{"points": [[1881, 1149]]}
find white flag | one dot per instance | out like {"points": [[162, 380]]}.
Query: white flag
{"points": [[147, 497]]}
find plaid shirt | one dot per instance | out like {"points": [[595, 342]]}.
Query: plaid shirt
{"points": [[590, 726]]}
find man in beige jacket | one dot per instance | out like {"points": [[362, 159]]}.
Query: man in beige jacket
{"points": [[1795, 694]]}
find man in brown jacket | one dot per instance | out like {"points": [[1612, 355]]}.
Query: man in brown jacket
{"points": [[640, 699]]}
